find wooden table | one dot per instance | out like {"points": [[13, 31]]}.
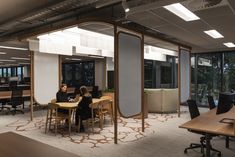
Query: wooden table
{"points": [[70, 106], [15, 145], [209, 123]]}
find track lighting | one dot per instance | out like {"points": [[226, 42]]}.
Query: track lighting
{"points": [[125, 6]]}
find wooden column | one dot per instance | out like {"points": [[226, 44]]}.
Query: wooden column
{"points": [[179, 81], [115, 83], [190, 75], [142, 81], [60, 70], [31, 84]]}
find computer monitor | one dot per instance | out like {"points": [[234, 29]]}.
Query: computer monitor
{"points": [[226, 101]]}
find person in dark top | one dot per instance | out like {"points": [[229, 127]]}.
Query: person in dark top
{"points": [[83, 110], [62, 96]]}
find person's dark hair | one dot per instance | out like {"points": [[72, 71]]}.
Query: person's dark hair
{"points": [[83, 90], [62, 85]]}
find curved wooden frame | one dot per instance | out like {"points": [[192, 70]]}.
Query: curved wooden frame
{"points": [[115, 26]]}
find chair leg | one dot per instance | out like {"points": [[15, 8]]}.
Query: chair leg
{"points": [[50, 119], [46, 121], [111, 113]]}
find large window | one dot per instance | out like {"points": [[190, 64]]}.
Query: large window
{"points": [[161, 74], [212, 73], [12, 72], [77, 74]]}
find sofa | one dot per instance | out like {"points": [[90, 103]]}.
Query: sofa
{"points": [[162, 100]]}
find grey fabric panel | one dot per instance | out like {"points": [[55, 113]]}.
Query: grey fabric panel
{"points": [[184, 75], [129, 56]]}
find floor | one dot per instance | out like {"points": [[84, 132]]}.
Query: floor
{"points": [[162, 136]]}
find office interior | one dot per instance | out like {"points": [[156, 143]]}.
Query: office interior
{"points": [[168, 83]]}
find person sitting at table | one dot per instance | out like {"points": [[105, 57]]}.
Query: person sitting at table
{"points": [[83, 111], [62, 96]]}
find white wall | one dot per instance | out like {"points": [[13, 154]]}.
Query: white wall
{"points": [[46, 77], [110, 64], [100, 70]]}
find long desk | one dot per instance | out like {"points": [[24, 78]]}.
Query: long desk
{"points": [[12, 145], [7, 94], [209, 123]]}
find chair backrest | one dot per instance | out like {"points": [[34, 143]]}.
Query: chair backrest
{"points": [[17, 97], [53, 106], [211, 102], [193, 109], [53, 101], [106, 97]]}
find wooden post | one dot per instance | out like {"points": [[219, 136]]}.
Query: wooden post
{"points": [[142, 80], [115, 83], [31, 84], [179, 80], [60, 70]]}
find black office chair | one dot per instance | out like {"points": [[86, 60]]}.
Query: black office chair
{"points": [[95, 92], [16, 100], [211, 102], [194, 112]]}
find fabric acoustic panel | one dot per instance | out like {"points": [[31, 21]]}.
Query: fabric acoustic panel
{"points": [[184, 75], [46, 77], [129, 74]]}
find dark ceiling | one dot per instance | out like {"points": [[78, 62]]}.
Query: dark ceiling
{"points": [[27, 17]]}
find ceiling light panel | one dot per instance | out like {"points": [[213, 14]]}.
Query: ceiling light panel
{"points": [[182, 12], [214, 34], [229, 44], [14, 48]]}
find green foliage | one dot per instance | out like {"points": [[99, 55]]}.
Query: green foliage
{"points": [[108, 90]]}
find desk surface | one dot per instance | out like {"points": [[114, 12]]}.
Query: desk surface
{"points": [[14, 145], [68, 105], [7, 94], [209, 123]]}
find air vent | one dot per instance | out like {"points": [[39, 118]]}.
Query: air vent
{"points": [[195, 5]]}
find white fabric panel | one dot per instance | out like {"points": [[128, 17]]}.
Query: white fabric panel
{"points": [[129, 57], [184, 75], [46, 77]]}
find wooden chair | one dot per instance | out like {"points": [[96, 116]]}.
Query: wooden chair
{"points": [[106, 107], [95, 117], [54, 115]]}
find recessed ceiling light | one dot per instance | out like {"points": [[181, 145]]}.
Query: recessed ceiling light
{"points": [[14, 48], [229, 44], [7, 60], [19, 58], [181, 11], [24, 63], [73, 59], [214, 34], [2, 53], [95, 56]]}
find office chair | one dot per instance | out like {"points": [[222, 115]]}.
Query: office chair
{"points": [[16, 100], [211, 102], [95, 92], [194, 112]]}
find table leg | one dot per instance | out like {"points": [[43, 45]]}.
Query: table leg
{"points": [[208, 145], [69, 121], [227, 141]]}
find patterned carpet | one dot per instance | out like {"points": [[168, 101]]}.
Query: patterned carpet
{"points": [[129, 130]]}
